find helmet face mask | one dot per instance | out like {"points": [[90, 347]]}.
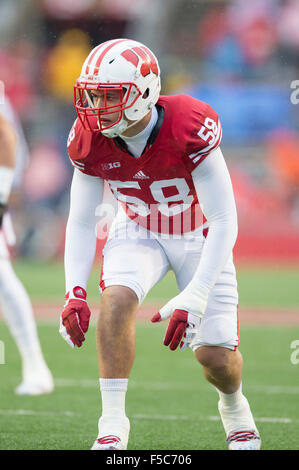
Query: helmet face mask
{"points": [[114, 99], [118, 85]]}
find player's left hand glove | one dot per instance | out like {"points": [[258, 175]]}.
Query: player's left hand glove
{"points": [[185, 310], [74, 320]]}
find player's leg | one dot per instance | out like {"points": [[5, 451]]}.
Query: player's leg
{"points": [[216, 343], [116, 331], [130, 269], [222, 367], [116, 353], [17, 312], [215, 348]]}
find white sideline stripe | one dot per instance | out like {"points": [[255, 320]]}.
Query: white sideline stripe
{"points": [[89, 383], [261, 419], [82, 383], [267, 389], [275, 389], [144, 416], [36, 413], [210, 418], [163, 417]]}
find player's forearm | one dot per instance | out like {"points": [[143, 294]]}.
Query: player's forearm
{"points": [[80, 242], [216, 252], [8, 142], [80, 248], [213, 186]]}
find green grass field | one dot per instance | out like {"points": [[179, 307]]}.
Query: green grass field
{"points": [[169, 403], [259, 286]]}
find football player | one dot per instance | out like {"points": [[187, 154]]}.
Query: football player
{"points": [[14, 300], [161, 158]]}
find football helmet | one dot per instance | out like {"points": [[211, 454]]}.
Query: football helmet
{"points": [[119, 82]]}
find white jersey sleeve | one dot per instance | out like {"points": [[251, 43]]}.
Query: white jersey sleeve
{"points": [[80, 240], [215, 195]]}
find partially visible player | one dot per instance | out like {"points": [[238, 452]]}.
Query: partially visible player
{"points": [[162, 160], [15, 304]]}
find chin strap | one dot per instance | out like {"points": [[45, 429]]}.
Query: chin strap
{"points": [[117, 129]]}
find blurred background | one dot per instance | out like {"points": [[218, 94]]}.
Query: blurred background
{"points": [[241, 57]]}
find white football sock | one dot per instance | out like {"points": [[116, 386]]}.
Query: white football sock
{"points": [[231, 399], [235, 412], [17, 312], [113, 393]]}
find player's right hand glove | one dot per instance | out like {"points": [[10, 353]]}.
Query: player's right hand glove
{"points": [[74, 320]]}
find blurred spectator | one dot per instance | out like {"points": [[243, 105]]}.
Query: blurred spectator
{"points": [[288, 25], [47, 176], [17, 71], [177, 77], [68, 9], [64, 62], [239, 56], [283, 167], [212, 29], [41, 223], [258, 41], [239, 38], [128, 9]]}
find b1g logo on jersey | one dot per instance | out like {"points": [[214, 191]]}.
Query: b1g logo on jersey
{"points": [[110, 166]]}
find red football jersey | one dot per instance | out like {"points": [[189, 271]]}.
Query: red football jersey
{"points": [[156, 189]]}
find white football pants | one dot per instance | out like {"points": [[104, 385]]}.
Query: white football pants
{"points": [[139, 259]]}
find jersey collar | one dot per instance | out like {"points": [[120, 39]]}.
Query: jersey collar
{"points": [[153, 135]]}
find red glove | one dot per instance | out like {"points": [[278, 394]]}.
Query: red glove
{"points": [[75, 317], [181, 329]]}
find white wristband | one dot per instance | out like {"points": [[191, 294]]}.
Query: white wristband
{"points": [[6, 179]]}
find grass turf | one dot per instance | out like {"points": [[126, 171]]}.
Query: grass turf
{"points": [[272, 287], [169, 403]]}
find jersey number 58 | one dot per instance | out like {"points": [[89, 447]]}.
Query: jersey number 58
{"points": [[209, 131]]}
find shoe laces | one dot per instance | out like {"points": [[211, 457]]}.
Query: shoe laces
{"points": [[242, 436], [110, 439]]}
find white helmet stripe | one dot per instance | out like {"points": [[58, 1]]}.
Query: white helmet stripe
{"points": [[104, 52], [97, 59], [92, 58]]}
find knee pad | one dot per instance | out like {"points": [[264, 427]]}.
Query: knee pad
{"points": [[218, 329]]}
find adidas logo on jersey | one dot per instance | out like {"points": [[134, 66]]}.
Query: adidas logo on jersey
{"points": [[140, 176]]}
